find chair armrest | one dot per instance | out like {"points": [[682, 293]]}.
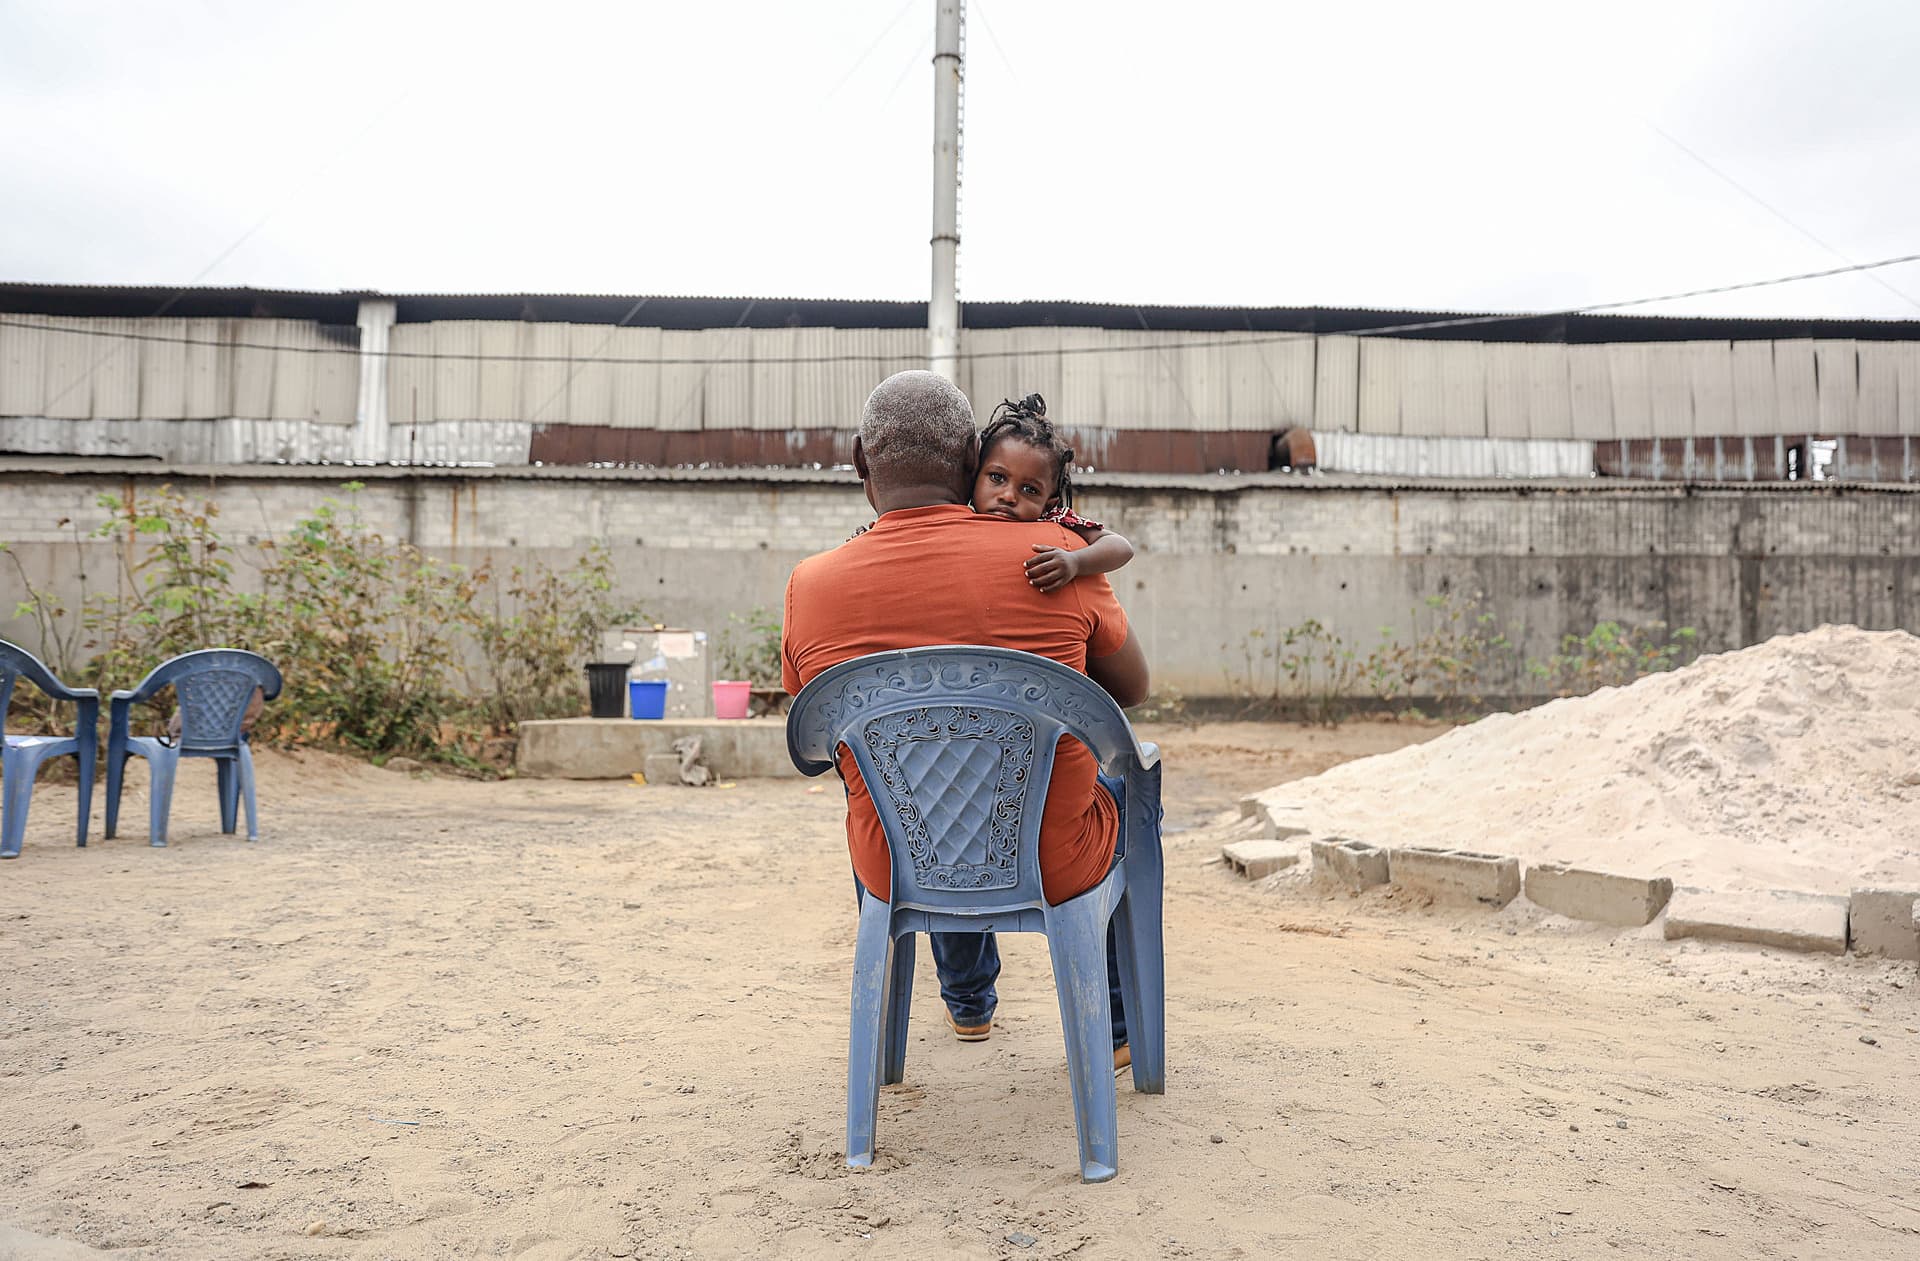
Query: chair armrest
{"points": [[1148, 752], [121, 695]]}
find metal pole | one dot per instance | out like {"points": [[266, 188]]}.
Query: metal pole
{"points": [[943, 306]]}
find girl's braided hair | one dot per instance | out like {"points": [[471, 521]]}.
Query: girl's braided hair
{"points": [[1027, 421]]}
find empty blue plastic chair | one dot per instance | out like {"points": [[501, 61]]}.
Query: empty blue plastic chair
{"points": [[213, 688], [956, 745], [24, 755]]}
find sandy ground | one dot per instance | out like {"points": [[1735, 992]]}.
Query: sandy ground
{"points": [[545, 1020]]}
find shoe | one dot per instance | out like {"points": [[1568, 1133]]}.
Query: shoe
{"points": [[1122, 1057], [970, 1033]]}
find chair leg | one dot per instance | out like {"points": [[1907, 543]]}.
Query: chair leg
{"points": [[160, 768], [246, 792], [867, 1028], [116, 770], [229, 787], [1077, 939], [899, 1003], [86, 756], [17, 769], [1136, 932]]}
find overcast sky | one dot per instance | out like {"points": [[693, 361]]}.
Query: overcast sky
{"points": [[1425, 155]]}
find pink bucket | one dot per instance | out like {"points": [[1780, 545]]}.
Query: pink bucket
{"points": [[730, 699]]}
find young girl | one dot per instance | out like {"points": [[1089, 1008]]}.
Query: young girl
{"points": [[1025, 475]]}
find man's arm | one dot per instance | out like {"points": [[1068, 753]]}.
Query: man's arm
{"points": [[1122, 673]]}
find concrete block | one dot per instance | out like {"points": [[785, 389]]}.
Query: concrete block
{"points": [[1455, 875], [1882, 922], [1279, 816], [1602, 897], [1258, 859], [1792, 921], [662, 769], [614, 748], [1348, 864]]}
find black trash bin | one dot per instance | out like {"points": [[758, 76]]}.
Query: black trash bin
{"points": [[607, 688]]}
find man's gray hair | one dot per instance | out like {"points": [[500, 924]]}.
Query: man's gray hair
{"points": [[917, 428]]}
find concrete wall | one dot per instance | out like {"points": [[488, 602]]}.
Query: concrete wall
{"points": [[1221, 557]]}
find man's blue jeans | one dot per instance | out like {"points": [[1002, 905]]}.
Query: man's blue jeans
{"points": [[969, 963]]}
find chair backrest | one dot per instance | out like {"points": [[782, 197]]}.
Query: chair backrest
{"points": [[214, 686], [956, 744], [17, 663]]}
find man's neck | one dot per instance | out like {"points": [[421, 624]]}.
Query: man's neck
{"points": [[896, 498]]}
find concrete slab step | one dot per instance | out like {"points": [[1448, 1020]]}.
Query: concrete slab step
{"points": [[1807, 922]]}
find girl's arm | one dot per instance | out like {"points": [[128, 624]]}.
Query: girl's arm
{"points": [[1051, 568]]}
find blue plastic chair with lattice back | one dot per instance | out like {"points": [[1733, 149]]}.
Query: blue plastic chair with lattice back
{"points": [[956, 745], [212, 688], [22, 756]]}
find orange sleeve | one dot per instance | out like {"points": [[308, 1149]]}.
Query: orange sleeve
{"points": [[1108, 619], [789, 673]]}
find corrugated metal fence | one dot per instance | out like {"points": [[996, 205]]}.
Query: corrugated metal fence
{"points": [[491, 385]]}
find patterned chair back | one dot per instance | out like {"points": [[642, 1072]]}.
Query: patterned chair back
{"points": [[956, 746], [214, 687]]}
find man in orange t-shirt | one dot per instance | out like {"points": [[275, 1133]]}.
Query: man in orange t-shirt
{"points": [[932, 572]]}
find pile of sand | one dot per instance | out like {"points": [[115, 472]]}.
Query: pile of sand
{"points": [[1794, 764]]}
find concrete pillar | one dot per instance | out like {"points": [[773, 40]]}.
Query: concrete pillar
{"points": [[372, 427]]}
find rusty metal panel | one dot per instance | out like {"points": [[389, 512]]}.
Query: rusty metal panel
{"points": [[1795, 389], [1837, 374], [1336, 384], [1755, 397]]}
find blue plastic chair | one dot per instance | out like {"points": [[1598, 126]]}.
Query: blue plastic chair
{"points": [[23, 755], [956, 745], [213, 688]]}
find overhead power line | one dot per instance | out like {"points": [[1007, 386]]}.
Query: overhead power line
{"points": [[1461, 321]]}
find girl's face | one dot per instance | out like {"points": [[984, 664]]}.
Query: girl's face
{"points": [[1015, 481]]}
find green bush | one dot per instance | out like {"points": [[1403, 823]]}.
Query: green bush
{"points": [[384, 649]]}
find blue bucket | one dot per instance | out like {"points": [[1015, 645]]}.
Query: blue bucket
{"points": [[649, 698]]}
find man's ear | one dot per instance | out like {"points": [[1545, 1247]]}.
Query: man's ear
{"points": [[859, 458]]}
